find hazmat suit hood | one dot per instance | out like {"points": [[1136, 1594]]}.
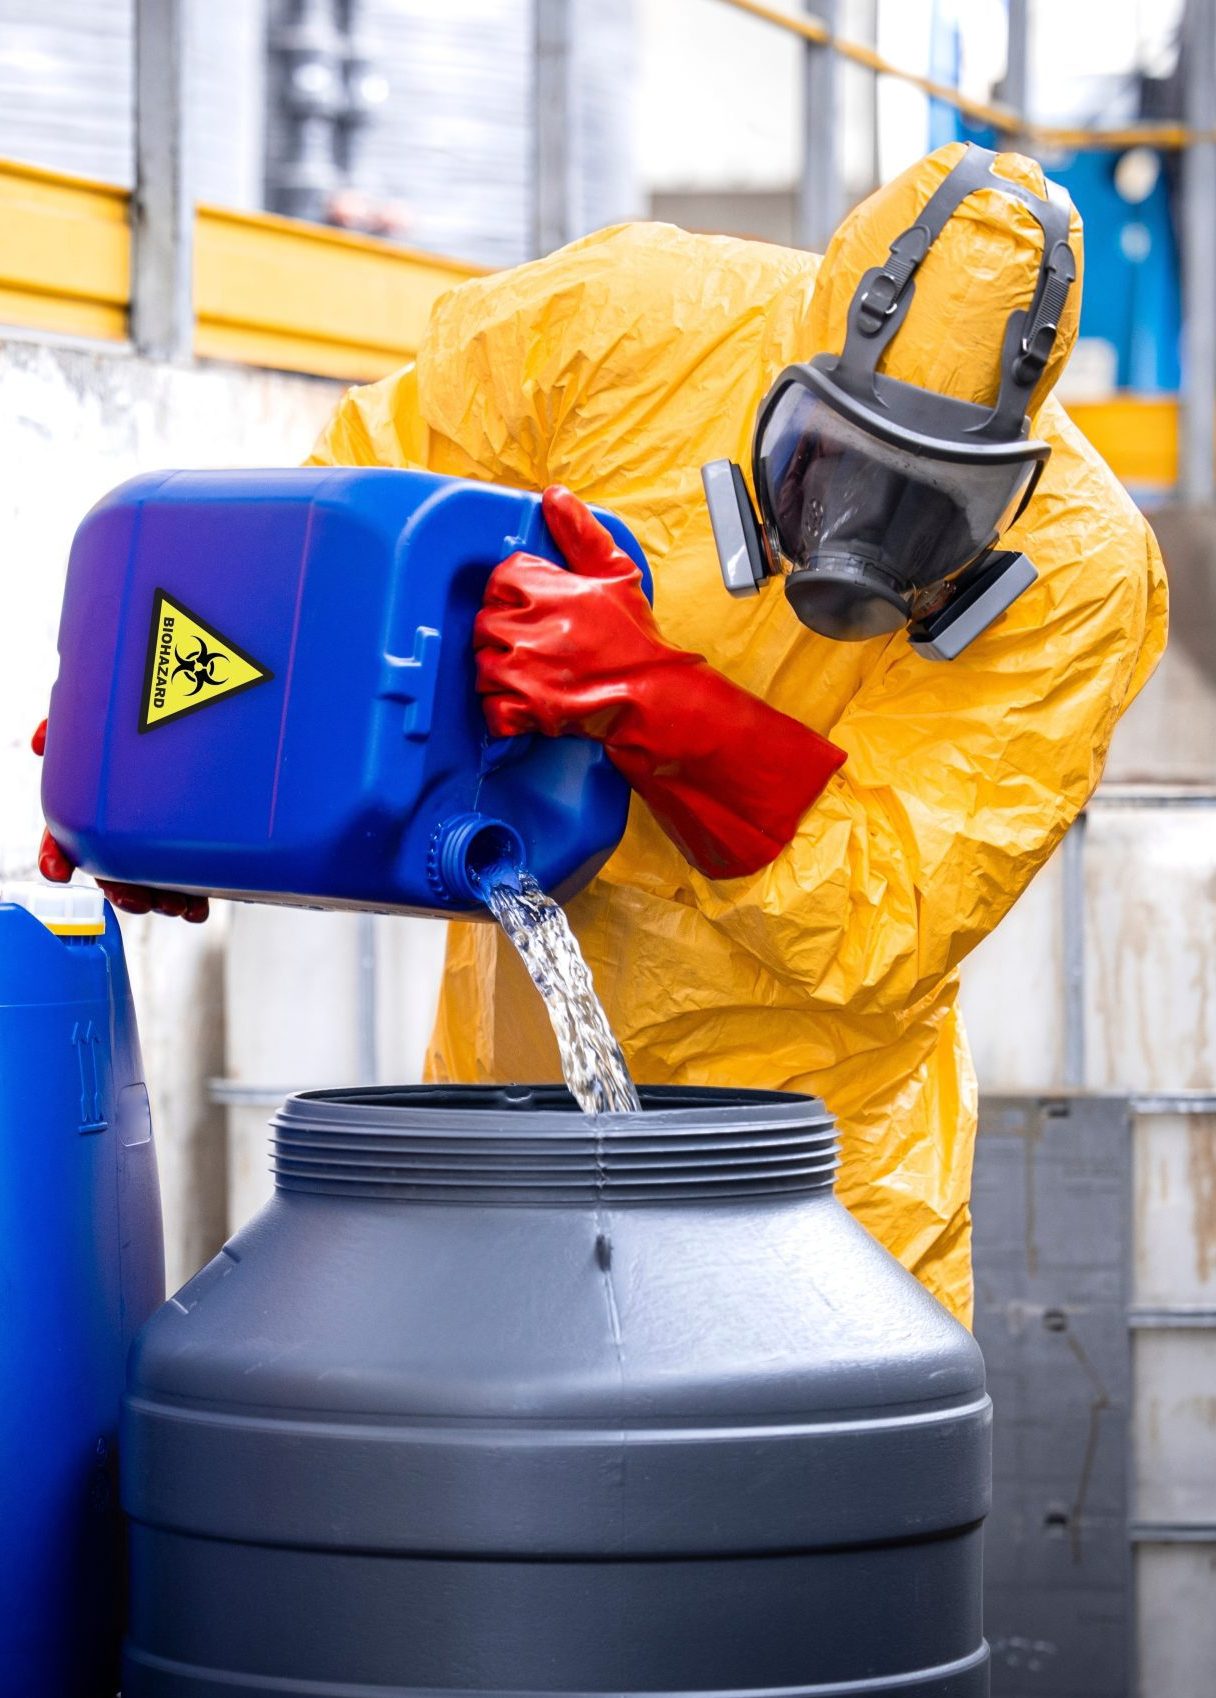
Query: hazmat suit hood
{"points": [[886, 469], [982, 268]]}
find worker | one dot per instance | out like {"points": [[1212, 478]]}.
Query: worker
{"points": [[827, 819]]}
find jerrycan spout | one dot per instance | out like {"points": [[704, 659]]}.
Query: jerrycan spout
{"points": [[467, 848]]}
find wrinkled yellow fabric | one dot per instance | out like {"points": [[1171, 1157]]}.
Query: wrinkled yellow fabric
{"points": [[618, 366]]}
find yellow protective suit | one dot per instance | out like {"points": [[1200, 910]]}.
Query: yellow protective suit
{"points": [[618, 366]]}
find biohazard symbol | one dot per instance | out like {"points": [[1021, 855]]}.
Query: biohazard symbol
{"points": [[190, 665], [200, 666]]}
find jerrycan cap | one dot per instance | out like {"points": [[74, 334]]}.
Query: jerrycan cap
{"points": [[68, 910]]}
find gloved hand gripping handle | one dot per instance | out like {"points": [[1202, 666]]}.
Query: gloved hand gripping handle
{"points": [[578, 651]]}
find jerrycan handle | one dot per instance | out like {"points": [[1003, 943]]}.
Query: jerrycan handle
{"points": [[498, 752], [412, 679], [534, 538]]}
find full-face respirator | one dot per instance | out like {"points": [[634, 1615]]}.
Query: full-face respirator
{"points": [[879, 502]]}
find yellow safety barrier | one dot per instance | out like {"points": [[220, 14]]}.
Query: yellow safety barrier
{"points": [[268, 291], [1001, 118], [274, 291], [65, 252]]}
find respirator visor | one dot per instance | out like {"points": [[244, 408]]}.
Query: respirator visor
{"points": [[868, 531]]}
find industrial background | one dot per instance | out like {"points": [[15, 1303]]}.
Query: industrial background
{"points": [[213, 216]]}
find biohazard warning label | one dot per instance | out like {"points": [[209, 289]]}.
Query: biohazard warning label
{"points": [[190, 665]]}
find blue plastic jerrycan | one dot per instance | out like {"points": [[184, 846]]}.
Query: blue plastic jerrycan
{"points": [[81, 1269], [266, 689]]}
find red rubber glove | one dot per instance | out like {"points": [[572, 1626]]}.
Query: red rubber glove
{"points": [[727, 777], [54, 864]]}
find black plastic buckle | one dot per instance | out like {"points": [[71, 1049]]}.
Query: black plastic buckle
{"points": [[885, 290], [1030, 363], [871, 311]]}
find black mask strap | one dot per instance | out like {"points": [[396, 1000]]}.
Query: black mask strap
{"points": [[1057, 274], [885, 293]]}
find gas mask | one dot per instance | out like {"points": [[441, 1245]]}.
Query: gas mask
{"points": [[880, 503]]}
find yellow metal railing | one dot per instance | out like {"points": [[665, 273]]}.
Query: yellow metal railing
{"points": [[65, 252], [268, 291], [1001, 118]]}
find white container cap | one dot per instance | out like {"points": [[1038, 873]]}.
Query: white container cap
{"points": [[68, 910]]}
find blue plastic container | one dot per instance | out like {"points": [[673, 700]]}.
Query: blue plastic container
{"points": [[266, 688], [81, 1269]]}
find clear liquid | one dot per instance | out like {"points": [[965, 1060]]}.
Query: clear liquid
{"points": [[592, 1062]]}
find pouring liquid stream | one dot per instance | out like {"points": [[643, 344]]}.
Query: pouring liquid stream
{"points": [[592, 1062]]}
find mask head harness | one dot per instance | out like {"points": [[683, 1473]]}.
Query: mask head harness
{"points": [[880, 501]]}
